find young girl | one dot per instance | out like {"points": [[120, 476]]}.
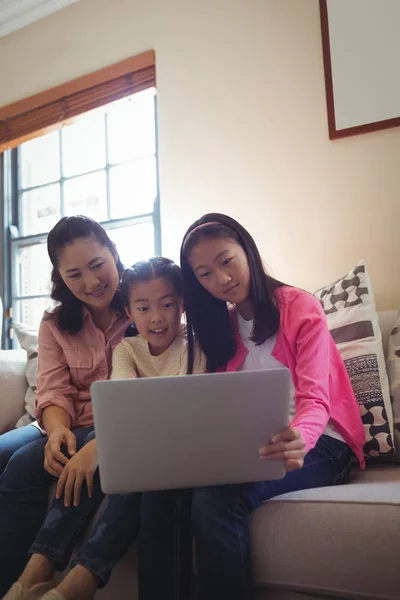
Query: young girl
{"points": [[269, 323], [152, 295]]}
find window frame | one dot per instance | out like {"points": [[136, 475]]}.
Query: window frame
{"points": [[8, 214], [11, 201]]}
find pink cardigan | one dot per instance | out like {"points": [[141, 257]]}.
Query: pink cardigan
{"points": [[322, 387]]}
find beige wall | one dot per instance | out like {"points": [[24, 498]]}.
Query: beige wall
{"points": [[242, 127]]}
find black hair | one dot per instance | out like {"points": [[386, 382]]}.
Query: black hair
{"points": [[68, 313], [146, 270], [208, 318]]}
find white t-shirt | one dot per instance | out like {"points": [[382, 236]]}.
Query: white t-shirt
{"points": [[260, 357]]}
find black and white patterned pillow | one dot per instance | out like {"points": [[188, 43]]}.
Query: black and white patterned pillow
{"points": [[352, 320], [393, 370]]}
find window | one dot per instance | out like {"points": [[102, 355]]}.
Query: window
{"points": [[103, 164]]}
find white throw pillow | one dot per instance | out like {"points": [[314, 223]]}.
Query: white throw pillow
{"points": [[28, 340], [12, 387], [352, 320]]}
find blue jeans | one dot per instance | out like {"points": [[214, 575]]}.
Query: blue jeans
{"points": [[13, 440], [219, 518], [24, 490], [114, 531]]}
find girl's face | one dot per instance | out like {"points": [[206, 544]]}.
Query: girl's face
{"points": [[156, 310], [89, 270], [221, 266]]}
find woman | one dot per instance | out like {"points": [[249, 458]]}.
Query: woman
{"points": [[76, 341], [152, 296]]}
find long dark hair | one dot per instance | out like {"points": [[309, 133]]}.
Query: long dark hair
{"points": [[207, 317], [146, 270], [68, 313]]}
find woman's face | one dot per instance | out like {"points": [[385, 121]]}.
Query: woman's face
{"points": [[221, 267], [90, 271]]}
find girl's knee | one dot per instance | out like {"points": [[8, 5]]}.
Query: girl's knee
{"points": [[5, 456], [216, 507], [207, 508]]}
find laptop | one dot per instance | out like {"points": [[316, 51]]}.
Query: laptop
{"points": [[189, 431]]}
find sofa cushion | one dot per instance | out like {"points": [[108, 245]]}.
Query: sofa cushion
{"points": [[339, 540], [28, 340], [387, 319], [336, 543], [350, 311], [12, 387], [393, 368]]}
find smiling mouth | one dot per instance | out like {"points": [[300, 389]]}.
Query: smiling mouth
{"points": [[231, 289], [160, 331], [98, 293]]}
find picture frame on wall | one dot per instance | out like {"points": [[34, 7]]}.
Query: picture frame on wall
{"points": [[361, 54]]}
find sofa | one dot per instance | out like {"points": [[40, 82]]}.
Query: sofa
{"points": [[338, 542]]}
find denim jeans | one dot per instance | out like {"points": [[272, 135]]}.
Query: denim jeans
{"points": [[218, 518], [13, 440], [24, 490], [115, 530]]}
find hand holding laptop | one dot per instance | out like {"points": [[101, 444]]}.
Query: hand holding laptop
{"points": [[288, 445]]}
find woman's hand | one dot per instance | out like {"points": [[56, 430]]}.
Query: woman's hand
{"points": [[54, 459], [288, 445], [80, 468]]}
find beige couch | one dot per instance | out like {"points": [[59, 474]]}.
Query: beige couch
{"points": [[340, 542]]}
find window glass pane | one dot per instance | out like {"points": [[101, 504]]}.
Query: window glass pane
{"points": [[83, 145], [40, 209], [40, 160], [86, 195], [131, 127], [134, 242], [30, 312], [133, 188], [33, 270]]}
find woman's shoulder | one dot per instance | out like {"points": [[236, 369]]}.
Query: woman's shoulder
{"points": [[49, 319], [50, 314]]}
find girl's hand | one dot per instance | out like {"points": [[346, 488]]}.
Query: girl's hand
{"points": [[288, 445], [80, 468], [54, 459]]}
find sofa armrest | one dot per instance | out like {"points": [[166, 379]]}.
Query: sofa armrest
{"points": [[13, 386]]}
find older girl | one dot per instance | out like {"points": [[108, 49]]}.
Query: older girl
{"points": [[244, 319]]}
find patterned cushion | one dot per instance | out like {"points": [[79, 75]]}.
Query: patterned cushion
{"points": [[28, 340], [393, 369], [350, 311]]}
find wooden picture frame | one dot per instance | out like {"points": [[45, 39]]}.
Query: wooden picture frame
{"points": [[332, 67]]}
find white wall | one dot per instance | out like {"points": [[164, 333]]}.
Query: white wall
{"points": [[242, 127]]}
